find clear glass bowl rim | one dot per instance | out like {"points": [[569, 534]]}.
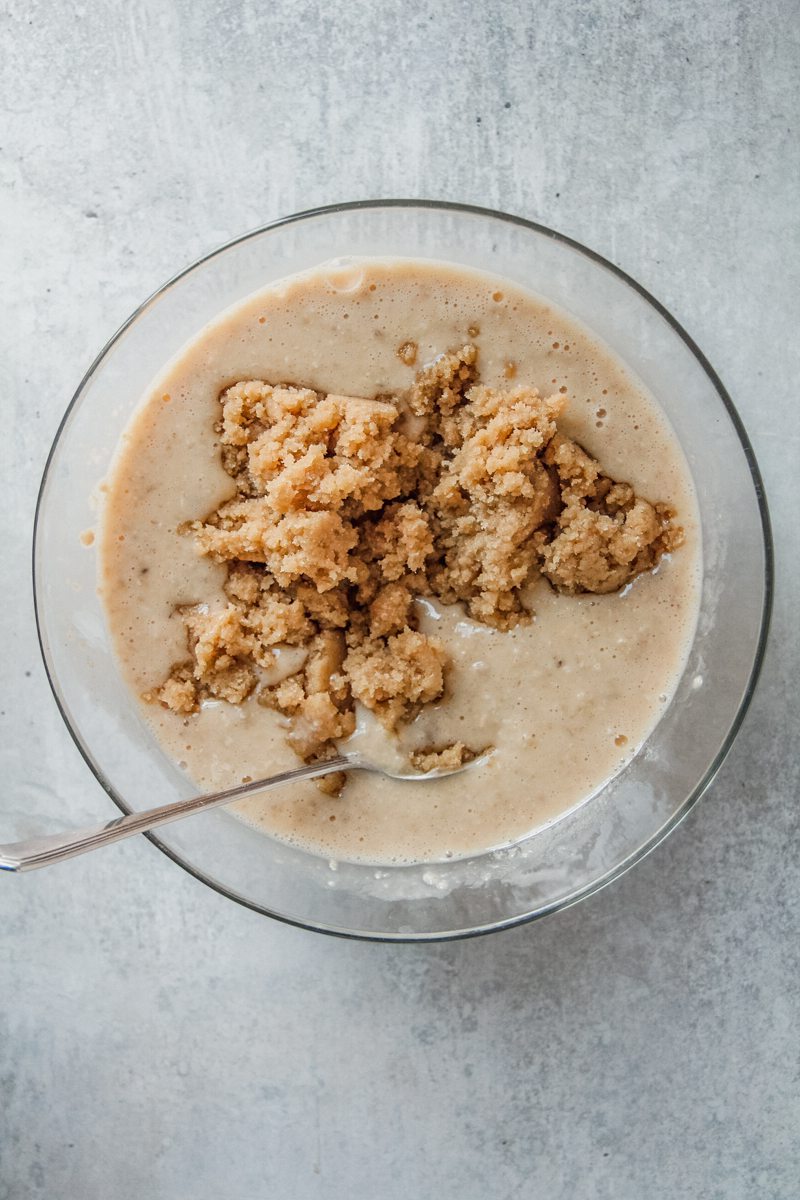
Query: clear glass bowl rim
{"points": [[755, 475]]}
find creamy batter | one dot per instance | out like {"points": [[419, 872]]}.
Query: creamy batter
{"points": [[564, 700]]}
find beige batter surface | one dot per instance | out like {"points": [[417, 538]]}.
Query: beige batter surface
{"points": [[564, 700]]}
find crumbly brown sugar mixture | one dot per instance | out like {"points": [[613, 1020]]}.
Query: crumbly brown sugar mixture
{"points": [[346, 509]]}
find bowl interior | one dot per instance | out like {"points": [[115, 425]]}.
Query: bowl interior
{"points": [[556, 865]]}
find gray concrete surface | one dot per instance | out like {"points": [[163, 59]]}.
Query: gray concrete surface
{"points": [[158, 1041]]}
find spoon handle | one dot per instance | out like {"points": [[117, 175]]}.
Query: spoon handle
{"points": [[44, 851]]}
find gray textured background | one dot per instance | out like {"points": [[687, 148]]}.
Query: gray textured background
{"points": [[156, 1040]]}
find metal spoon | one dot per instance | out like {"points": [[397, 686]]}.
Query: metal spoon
{"points": [[44, 851]]}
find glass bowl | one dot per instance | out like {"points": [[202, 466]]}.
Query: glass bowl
{"points": [[555, 866]]}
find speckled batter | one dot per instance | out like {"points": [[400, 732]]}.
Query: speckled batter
{"points": [[563, 698]]}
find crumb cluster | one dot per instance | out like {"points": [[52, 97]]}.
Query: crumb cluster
{"points": [[347, 509]]}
